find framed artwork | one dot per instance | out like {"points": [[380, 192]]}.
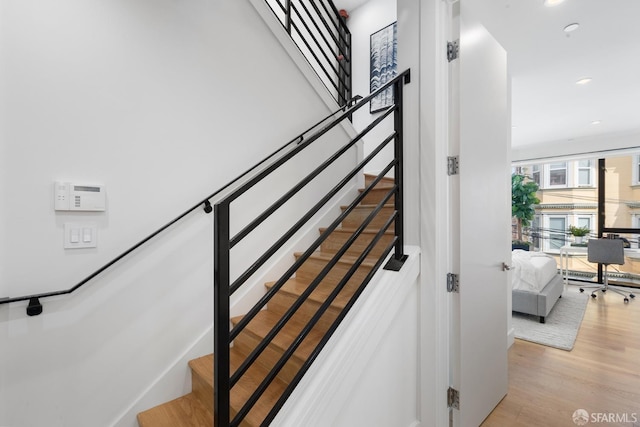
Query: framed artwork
{"points": [[383, 65]]}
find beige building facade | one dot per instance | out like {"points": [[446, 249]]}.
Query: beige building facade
{"points": [[568, 193]]}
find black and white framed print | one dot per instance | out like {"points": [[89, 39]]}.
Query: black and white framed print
{"points": [[383, 65]]}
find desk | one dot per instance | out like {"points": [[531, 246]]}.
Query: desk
{"points": [[567, 250]]}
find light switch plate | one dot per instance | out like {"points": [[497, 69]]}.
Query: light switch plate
{"points": [[80, 235]]}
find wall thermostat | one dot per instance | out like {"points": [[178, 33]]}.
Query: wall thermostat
{"points": [[76, 197]]}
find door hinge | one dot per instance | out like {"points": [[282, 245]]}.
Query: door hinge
{"points": [[453, 165], [453, 284], [452, 50], [453, 398]]}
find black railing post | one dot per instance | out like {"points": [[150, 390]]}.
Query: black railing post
{"points": [[398, 258], [221, 333]]}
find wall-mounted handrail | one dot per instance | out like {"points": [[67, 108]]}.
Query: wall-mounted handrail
{"points": [[35, 306], [224, 241]]}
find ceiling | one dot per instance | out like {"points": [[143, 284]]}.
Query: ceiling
{"points": [[545, 63]]}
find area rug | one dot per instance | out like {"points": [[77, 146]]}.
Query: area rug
{"points": [[562, 323]]}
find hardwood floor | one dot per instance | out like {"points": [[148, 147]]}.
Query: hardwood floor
{"points": [[600, 375]]}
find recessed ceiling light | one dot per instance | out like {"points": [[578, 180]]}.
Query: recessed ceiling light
{"points": [[596, 122], [584, 81], [571, 27], [550, 3]]}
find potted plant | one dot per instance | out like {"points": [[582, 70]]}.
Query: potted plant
{"points": [[523, 201], [579, 233]]}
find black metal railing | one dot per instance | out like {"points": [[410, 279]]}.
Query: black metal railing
{"points": [[226, 286], [321, 34], [34, 306]]}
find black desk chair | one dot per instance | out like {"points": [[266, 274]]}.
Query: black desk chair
{"points": [[605, 252]]}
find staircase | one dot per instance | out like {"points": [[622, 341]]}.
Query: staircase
{"points": [[196, 408]]}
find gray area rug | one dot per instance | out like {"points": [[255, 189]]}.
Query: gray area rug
{"points": [[562, 323]]}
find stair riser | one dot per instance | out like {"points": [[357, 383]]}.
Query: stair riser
{"points": [[376, 195], [368, 179], [202, 390], [338, 238], [358, 215]]}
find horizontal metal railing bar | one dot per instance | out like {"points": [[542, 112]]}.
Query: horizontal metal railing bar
{"points": [[314, 354], [346, 113], [303, 297], [321, 64], [339, 23], [311, 18], [294, 141], [306, 180], [316, 317], [327, 44], [282, 7], [396, 241], [339, 27], [336, 12], [330, 31], [244, 276], [315, 245], [289, 352]]}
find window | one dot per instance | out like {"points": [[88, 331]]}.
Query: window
{"points": [[635, 170], [557, 232], [535, 174], [584, 173], [558, 174], [536, 231], [584, 221]]}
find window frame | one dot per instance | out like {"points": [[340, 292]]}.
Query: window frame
{"points": [[549, 168]]}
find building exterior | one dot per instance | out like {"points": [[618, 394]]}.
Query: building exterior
{"points": [[568, 193]]}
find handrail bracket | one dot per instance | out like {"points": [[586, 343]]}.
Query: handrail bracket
{"points": [[34, 308]]}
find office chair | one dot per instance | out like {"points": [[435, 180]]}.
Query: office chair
{"points": [[605, 252]]}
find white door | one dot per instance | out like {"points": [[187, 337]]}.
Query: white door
{"points": [[481, 210]]}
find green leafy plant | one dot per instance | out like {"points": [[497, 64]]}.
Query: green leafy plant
{"points": [[523, 201], [579, 231]]}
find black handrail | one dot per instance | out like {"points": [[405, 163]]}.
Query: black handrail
{"points": [[224, 380], [34, 307]]}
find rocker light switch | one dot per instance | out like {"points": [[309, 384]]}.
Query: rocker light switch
{"points": [[80, 236], [86, 235]]}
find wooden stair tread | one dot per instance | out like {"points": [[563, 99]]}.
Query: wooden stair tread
{"points": [[264, 321], [185, 411], [196, 408], [353, 230], [203, 366], [368, 206], [370, 177], [369, 261], [296, 287], [381, 186], [246, 385]]}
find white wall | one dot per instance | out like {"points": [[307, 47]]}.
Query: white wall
{"points": [[154, 100], [368, 373], [364, 21], [163, 102]]}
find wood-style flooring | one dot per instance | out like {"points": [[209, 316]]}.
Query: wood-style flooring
{"points": [[600, 375]]}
